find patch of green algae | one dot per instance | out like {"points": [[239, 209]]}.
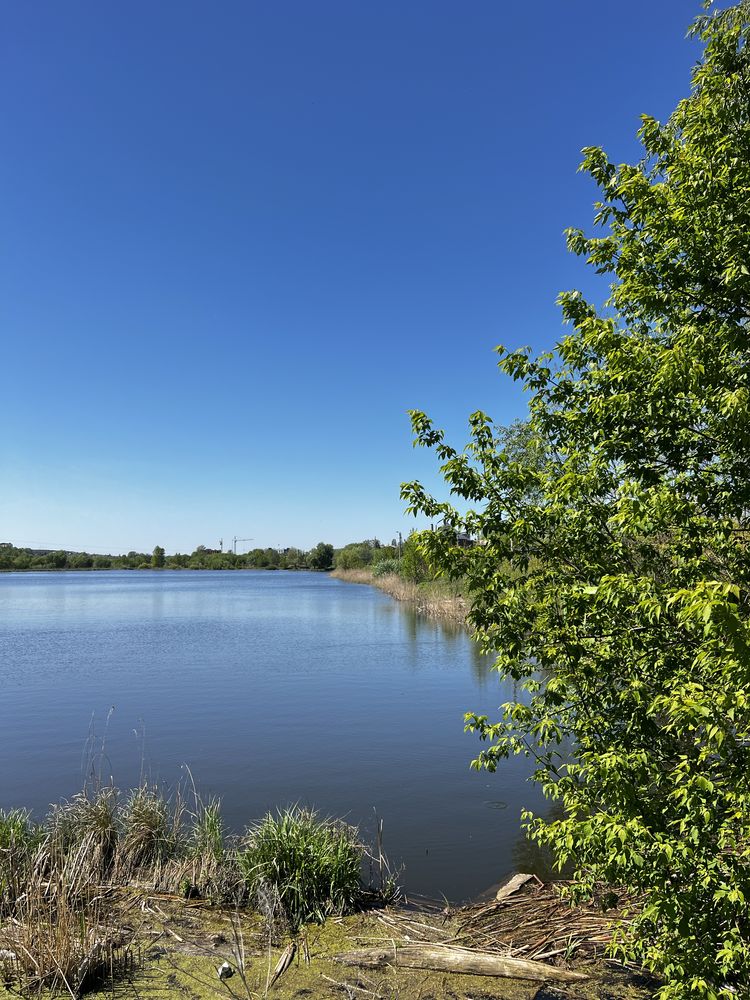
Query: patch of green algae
{"points": [[180, 957], [194, 977]]}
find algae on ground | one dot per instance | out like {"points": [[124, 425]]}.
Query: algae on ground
{"points": [[181, 947], [179, 972]]}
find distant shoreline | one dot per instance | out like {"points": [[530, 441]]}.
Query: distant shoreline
{"points": [[159, 569]]}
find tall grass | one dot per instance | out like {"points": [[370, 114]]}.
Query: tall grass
{"points": [[385, 567], [19, 840], [60, 880], [441, 599], [313, 864], [151, 830], [55, 942]]}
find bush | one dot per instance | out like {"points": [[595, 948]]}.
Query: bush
{"points": [[385, 566], [413, 565], [313, 864]]}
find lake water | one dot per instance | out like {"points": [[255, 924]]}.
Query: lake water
{"points": [[272, 688]]}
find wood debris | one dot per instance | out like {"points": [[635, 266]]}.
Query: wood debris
{"points": [[467, 961], [283, 963], [533, 920]]}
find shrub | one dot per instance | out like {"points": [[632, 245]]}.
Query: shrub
{"points": [[313, 864], [385, 567]]}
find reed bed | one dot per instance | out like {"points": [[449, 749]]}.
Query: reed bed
{"points": [[435, 599]]}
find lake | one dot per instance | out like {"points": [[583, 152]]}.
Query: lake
{"points": [[271, 688]]}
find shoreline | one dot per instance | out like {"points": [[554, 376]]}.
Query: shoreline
{"points": [[437, 599]]}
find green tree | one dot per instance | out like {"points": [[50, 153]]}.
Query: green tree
{"points": [[293, 558], [356, 555], [157, 558], [613, 578], [413, 565], [321, 557], [81, 560]]}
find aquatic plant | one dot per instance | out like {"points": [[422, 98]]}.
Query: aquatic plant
{"points": [[58, 942], [314, 864], [84, 832], [151, 828], [19, 840]]}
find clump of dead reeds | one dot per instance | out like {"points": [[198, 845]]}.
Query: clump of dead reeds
{"points": [[55, 941]]}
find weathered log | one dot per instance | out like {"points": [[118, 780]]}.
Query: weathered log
{"points": [[512, 885], [446, 958]]}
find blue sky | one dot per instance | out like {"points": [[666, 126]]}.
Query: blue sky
{"points": [[240, 240]]}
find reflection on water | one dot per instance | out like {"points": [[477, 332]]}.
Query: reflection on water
{"points": [[272, 688], [452, 635]]}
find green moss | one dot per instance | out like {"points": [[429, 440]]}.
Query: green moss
{"points": [[187, 968], [194, 975]]}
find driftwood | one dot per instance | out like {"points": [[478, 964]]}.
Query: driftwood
{"points": [[513, 885], [444, 958]]}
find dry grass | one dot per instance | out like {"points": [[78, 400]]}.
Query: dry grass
{"points": [[56, 940], [436, 599], [59, 881], [68, 886]]}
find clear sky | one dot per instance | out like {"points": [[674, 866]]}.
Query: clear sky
{"points": [[241, 239]]}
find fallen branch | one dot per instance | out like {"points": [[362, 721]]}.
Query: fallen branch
{"points": [[444, 958]]}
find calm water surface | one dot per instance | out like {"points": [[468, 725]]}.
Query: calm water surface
{"points": [[272, 688]]}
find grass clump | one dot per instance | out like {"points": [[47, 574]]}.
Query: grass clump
{"points": [[60, 945], [313, 864], [84, 833], [207, 834], [151, 829], [19, 841]]}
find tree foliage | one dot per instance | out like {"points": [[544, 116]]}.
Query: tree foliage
{"points": [[321, 557], [414, 565], [613, 578]]}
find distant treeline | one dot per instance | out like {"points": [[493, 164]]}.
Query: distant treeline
{"points": [[322, 557]]}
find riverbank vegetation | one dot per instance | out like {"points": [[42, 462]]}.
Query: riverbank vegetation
{"points": [[65, 882], [147, 894], [404, 572], [443, 599], [625, 615]]}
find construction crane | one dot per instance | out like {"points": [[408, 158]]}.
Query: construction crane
{"points": [[236, 539]]}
